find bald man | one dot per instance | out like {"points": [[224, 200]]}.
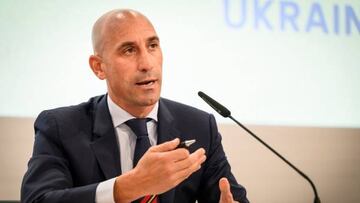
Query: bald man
{"points": [[85, 153]]}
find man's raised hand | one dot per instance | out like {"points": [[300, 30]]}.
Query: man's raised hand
{"points": [[161, 168]]}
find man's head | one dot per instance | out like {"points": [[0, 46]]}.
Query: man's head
{"points": [[128, 56]]}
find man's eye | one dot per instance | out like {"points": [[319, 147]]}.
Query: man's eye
{"points": [[129, 50], [153, 45]]}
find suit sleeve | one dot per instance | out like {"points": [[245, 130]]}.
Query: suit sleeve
{"points": [[48, 178], [217, 167]]}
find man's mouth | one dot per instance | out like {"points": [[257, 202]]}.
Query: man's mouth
{"points": [[146, 82]]}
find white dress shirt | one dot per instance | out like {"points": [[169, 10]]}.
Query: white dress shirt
{"points": [[126, 142]]}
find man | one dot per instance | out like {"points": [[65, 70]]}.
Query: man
{"points": [[87, 153]]}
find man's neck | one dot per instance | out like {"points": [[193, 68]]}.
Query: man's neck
{"points": [[139, 112], [135, 110]]}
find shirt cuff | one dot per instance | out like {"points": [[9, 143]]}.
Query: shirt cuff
{"points": [[105, 191]]}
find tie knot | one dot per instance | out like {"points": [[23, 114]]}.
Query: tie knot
{"points": [[138, 126]]}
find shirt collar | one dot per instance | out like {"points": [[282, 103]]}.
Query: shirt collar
{"points": [[120, 116]]}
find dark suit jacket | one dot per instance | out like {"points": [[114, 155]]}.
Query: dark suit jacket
{"points": [[76, 148]]}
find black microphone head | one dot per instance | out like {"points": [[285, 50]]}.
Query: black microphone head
{"points": [[215, 105]]}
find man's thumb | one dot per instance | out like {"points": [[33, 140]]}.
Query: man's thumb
{"points": [[224, 185]]}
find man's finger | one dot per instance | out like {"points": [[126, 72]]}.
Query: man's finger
{"points": [[226, 196], [186, 172], [197, 158], [166, 146]]}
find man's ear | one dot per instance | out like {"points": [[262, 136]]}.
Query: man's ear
{"points": [[95, 63]]}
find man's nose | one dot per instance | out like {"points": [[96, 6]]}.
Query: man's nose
{"points": [[145, 61]]}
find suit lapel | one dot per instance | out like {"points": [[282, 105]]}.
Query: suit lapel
{"points": [[166, 132], [166, 125], [105, 144]]}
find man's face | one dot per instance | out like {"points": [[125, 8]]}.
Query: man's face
{"points": [[132, 62]]}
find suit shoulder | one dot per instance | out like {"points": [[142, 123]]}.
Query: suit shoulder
{"points": [[73, 112], [181, 108]]}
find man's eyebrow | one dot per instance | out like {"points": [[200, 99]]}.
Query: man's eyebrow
{"points": [[130, 43], [153, 38], [125, 44]]}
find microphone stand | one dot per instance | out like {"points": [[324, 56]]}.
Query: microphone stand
{"points": [[226, 113], [317, 199]]}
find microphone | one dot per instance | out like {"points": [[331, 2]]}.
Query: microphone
{"points": [[227, 114]]}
